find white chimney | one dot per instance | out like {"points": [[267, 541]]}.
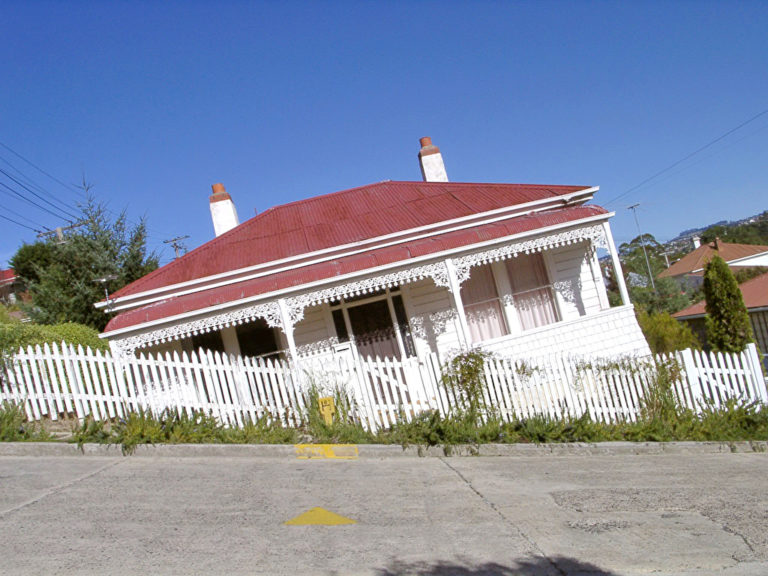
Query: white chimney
{"points": [[696, 242], [431, 161], [223, 210]]}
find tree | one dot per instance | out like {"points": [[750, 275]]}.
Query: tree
{"points": [[668, 297], [61, 278], [664, 334], [728, 328], [633, 257]]}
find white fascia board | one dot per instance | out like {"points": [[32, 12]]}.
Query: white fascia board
{"points": [[242, 274], [355, 275]]}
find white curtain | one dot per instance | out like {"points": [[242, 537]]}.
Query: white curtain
{"points": [[531, 292], [481, 305]]}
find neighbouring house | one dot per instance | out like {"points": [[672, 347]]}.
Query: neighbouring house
{"points": [[755, 294], [394, 269], [9, 286], [689, 270]]}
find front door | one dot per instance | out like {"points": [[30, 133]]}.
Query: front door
{"points": [[373, 330]]}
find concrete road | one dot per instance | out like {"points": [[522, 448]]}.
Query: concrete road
{"points": [[612, 514]]}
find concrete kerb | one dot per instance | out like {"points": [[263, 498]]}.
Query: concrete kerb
{"points": [[54, 449]]}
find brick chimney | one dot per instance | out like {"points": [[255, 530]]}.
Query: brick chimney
{"points": [[223, 210], [431, 162]]}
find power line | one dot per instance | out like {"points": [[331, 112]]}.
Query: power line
{"points": [[29, 181], [68, 186], [22, 217], [18, 223], [4, 185], [36, 194], [691, 155], [78, 190]]}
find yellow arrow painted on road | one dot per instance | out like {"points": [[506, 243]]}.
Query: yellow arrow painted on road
{"points": [[319, 517]]}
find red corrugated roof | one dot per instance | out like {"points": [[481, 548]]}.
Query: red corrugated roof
{"points": [[754, 291], [349, 264], [7, 276], [340, 218]]}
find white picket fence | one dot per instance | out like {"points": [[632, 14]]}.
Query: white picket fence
{"points": [[54, 382]]}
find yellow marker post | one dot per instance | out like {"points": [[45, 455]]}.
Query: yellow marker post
{"points": [[331, 451], [319, 517], [327, 409]]}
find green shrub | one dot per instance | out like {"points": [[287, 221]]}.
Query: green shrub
{"points": [[265, 430], [77, 334], [464, 376], [17, 335], [5, 316], [664, 334]]}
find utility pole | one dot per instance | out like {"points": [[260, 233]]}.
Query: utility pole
{"points": [[59, 231], [176, 244], [642, 242]]}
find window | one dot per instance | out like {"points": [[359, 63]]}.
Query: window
{"points": [[531, 291], [482, 306]]}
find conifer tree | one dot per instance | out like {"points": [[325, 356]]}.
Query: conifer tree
{"points": [[728, 328], [60, 278]]}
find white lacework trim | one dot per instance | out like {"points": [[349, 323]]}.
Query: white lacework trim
{"points": [[269, 311], [424, 326], [594, 233], [437, 271]]}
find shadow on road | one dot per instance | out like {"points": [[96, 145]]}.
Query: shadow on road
{"points": [[558, 565]]}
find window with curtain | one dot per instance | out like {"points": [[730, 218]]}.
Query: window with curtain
{"points": [[531, 290], [482, 305]]}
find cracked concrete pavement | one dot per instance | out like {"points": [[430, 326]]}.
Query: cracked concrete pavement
{"points": [[590, 514]]}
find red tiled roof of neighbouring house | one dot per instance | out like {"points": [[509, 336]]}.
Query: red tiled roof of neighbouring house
{"points": [[694, 262], [338, 219], [754, 291], [7, 276], [328, 270]]}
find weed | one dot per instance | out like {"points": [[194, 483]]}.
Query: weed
{"points": [[15, 428], [91, 431], [265, 430]]}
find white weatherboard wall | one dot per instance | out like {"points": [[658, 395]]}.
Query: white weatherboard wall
{"points": [[575, 286], [613, 332], [315, 334], [433, 320]]}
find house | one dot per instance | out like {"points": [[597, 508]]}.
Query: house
{"points": [[393, 269], [9, 285], [755, 294], [689, 270]]}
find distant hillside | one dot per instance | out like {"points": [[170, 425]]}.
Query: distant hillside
{"points": [[749, 230]]}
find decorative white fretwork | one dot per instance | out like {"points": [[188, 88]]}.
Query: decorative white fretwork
{"points": [[595, 234], [269, 311], [432, 325], [437, 271]]}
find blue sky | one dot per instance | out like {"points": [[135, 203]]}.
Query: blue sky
{"points": [[154, 102]]}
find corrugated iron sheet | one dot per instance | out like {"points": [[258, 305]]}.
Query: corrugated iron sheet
{"points": [[346, 265]]}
